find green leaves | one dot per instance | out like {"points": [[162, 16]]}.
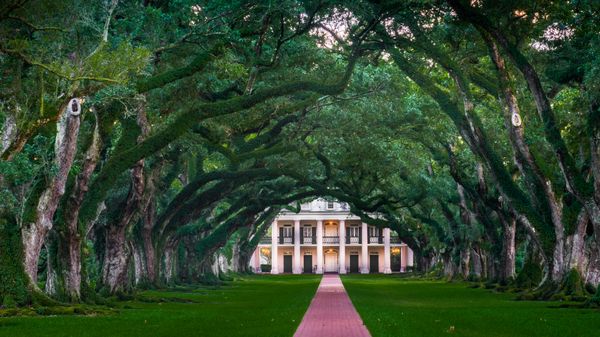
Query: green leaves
{"points": [[121, 64]]}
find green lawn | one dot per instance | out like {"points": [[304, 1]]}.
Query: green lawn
{"points": [[392, 306], [262, 306]]}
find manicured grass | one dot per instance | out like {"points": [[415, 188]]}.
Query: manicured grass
{"points": [[253, 306], [392, 306]]}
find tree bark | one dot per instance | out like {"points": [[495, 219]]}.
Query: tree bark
{"points": [[51, 287], [116, 258], [70, 244], [465, 262], [469, 127], [507, 270], [527, 164], [449, 266], [168, 261], [575, 244], [592, 270], [34, 234], [575, 181], [148, 251], [8, 134], [476, 258], [594, 135]]}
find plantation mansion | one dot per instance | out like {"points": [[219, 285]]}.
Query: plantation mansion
{"points": [[324, 237]]}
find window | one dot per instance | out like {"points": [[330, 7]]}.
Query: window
{"points": [[373, 231], [329, 204], [307, 231], [287, 231], [353, 234]]}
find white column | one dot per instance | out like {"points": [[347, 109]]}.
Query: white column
{"points": [[274, 243], [386, 251], [342, 256], [410, 262], [320, 247], [297, 268], [364, 265]]}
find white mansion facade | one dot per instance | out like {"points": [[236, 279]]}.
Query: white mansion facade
{"points": [[324, 237]]}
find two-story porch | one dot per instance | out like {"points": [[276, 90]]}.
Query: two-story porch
{"points": [[326, 238]]}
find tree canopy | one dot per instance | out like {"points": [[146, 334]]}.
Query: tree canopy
{"points": [[141, 139]]}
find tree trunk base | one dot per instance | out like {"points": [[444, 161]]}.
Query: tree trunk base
{"points": [[571, 288]]}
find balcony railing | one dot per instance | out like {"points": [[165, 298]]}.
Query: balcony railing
{"points": [[375, 239], [286, 239], [331, 239], [353, 240], [394, 239], [308, 240]]}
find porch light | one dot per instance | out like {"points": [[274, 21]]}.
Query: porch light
{"points": [[265, 251], [395, 250]]}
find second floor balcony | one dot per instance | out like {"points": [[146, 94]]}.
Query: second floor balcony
{"points": [[289, 239], [310, 240], [350, 239], [378, 239], [329, 240]]}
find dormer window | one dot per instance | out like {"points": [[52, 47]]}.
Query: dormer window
{"points": [[329, 204]]}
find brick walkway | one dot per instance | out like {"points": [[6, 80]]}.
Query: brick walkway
{"points": [[331, 314]]}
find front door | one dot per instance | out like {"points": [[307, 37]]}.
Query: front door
{"points": [[374, 264], [287, 263], [308, 266], [354, 263], [331, 262]]}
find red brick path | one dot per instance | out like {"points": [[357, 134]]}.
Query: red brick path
{"points": [[331, 314]]}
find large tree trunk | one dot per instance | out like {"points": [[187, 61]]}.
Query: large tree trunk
{"points": [[168, 258], [592, 207], [575, 254], [139, 267], [243, 263], [449, 267], [465, 262], [527, 165], [116, 258], [477, 265], [15, 285], [592, 270], [51, 288], [34, 234], [149, 254], [507, 270], [575, 180], [116, 255], [8, 133], [235, 256], [148, 221], [71, 240]]}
